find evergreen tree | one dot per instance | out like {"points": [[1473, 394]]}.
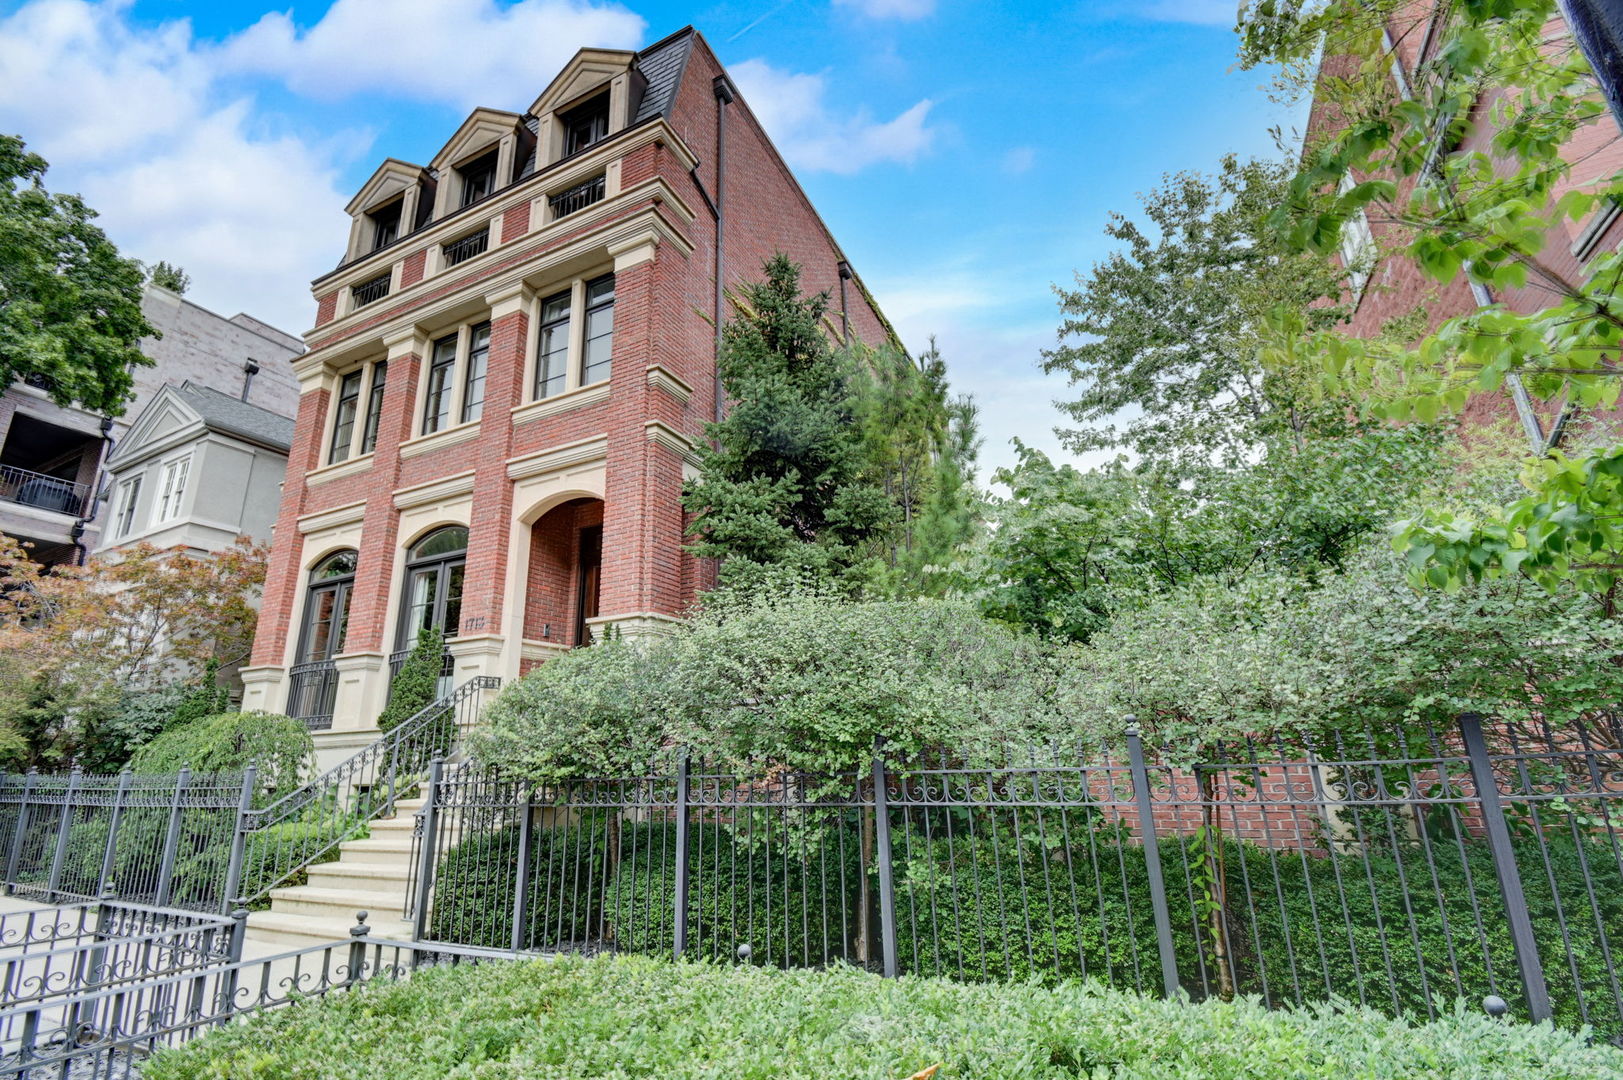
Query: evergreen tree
{"points": [[417, 685], [785, 487], [169, 276]]}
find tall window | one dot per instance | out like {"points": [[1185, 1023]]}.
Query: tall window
{"points": [[437, 402], [478, 178], [343, 428], [434, 571], [173, 489], [326, 608], [575, 347], [552, 358], [124, 518], [586, 125], [473, 384], [374, 407], [599, 329]]}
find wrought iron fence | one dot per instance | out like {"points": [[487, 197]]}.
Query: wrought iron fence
{"points": [[208, 842], [312, 691], [578, 197], [368, 291], [397, 660], [46, 492], [110, 1030], [465, 248], [1397, 869]]}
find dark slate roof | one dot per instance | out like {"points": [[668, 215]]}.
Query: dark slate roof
{"points": [[662, 64], [222, 412]]}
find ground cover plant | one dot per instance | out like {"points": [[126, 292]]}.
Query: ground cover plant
{"points": [[637, 1017]]}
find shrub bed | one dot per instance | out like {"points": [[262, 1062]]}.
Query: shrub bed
{"points": [[640, 1017]]}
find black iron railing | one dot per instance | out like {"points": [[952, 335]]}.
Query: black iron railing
{"points": [[1394, 870], [368, 291], [46, 492], [467, 247], [576, 198], [312, 691]]}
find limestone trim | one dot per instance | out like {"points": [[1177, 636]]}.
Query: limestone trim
{"points": [[435, 491], [451, 436], [588, 72], [411, 340], [581, 452], [663, 378], [530, 649], [336, 518], [578, 398], [327, 473], [664, 435], [636, 623]]}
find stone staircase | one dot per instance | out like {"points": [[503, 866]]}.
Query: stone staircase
{"points": [[369, 875]]}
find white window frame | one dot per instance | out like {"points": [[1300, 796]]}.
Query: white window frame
{"points": [[172, 485], [457, 379], [575, 348], [1357, 246], [129, 491], [363, 406]]}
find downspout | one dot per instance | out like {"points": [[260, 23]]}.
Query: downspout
{"points": [[845, 309], [78, 531], [249, 370], [724, 97]]}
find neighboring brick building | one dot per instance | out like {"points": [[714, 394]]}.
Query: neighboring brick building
{"points": [[51, 458], [1396, 285], [508, 375]]}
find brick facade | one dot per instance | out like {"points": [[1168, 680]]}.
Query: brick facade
{"points": [[531, 473]]}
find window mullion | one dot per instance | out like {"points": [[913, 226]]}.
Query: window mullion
{"points": [[458, 375], [577, 334]]}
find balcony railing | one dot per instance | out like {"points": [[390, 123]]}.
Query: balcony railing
{"points": [[311, 691], [368, 291], [46, 492], [578, 197], [466, 248]]}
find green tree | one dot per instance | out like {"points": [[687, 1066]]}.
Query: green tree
{"points": [[785, 483], [1161, 337], [70, 305], [416, 685], [169, 276], [280, 747]]}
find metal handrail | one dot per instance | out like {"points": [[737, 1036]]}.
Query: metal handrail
{"points": [[337, 805], [31, 488]]}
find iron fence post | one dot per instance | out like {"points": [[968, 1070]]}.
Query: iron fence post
{"points": [[887, 886], [684, 776], [171, 840], [357, 949], [19, 832], [239, 839], [228, 978], [64, 823], [425, 853], [1504, 868], [109, 852], [1152, 860], [521, 886]]}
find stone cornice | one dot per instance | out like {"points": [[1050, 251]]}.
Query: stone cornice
{"points": [[449, 487], [337, 517], [559, 457], [578, 398], [663, 378]]}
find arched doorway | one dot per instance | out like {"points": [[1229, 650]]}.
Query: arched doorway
{"points": [[564, 576]]}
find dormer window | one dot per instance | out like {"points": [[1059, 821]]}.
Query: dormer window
{"points": [[385, 225], [585, 125], [478, 178]]}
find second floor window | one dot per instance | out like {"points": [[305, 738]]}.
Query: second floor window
{"points": [[343, 428], [374, 407], [575, 348], [478, 178], [473, 384], [172, 489], [124, 517], [437, 400]]}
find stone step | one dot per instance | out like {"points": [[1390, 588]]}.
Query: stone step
{"points": [[373, 877], [391, 826], [333, 903], [272, 931], [376, 850]]}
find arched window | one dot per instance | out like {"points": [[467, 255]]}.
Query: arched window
{"points": [[326, 608], [434, 568]]}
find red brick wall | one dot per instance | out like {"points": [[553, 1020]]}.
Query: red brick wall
{"points": [[412, 268], [283, 574]]}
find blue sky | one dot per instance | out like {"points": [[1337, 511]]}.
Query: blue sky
{"points": [[966, 155]]}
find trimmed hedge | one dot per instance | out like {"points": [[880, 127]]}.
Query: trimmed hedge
{"points": [[639, 1017], [1062, 912]]}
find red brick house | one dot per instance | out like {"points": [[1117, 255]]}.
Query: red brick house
{"points": [[1396, 285], [507, 377]]}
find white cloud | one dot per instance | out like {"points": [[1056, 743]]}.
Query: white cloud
{"points": [[133, 119], [1019, 160], [890, 9], [792, 108], [458, 52], [1204, 12]]}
